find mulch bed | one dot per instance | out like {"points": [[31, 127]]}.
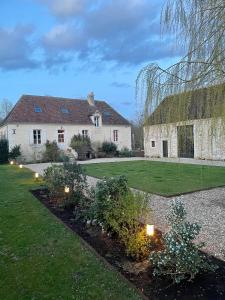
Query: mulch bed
{"points": [[205, 286]]}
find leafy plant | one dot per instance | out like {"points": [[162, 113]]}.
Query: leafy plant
{"points": [[68, 175], [15, 152], [124, 219], [81, 144], [106, 193], [109, 148], [4, 151], [181, 258], [125, 152], [52, 152]]}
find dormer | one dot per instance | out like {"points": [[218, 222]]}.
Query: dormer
{"points": [[97, 119]]}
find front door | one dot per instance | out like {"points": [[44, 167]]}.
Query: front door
{"points": [[165, 148]]}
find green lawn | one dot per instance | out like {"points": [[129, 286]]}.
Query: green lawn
{"points": [[161, 177], [42, 259]]}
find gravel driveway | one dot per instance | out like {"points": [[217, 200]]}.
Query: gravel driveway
{"points": [[205, 207]]}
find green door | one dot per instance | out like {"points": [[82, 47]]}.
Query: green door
{"points": [[185, 138]]}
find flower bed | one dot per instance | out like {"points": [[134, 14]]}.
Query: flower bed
{"points": [[208, 285]]}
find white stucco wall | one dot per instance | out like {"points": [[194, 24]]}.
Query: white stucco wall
{"points": [[209, 139], [24, 136]]}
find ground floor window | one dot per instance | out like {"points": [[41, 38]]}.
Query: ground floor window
{"points": [[61, 135], [115, 135], [37, 136], [85, 133], [153, 144]]}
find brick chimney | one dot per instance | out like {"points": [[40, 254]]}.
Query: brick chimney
{"points": [[91, 99]]}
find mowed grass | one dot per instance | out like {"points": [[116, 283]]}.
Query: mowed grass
{"points": [[40, 258], [162, 178]]}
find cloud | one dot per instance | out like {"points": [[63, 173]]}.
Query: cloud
{"points": [[119, 31], [15, 48], [120, 84], [127, 103], [65, 8]]}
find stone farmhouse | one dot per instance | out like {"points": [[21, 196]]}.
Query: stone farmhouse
{"points": [[36, 119], [189, 125]]}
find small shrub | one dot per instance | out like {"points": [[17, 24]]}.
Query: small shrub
{"points": [[181, 258], [124, 219], [68, 175], [125, 152], [52, 152], [82, 145], [15, 152], [4, 151], [109, 148], [107, 192]]}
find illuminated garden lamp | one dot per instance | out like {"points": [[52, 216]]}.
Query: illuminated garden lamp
{"points": [[150, 230], [36, 175], [67, 189], [11, 162], [21, 166]]}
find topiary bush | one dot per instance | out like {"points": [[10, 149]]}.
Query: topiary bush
{"points": [[15, 152], [181, 258], [109, 148], [4, 151]]}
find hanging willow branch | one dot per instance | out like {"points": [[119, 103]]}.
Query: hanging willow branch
{"points": [[199, 28]]}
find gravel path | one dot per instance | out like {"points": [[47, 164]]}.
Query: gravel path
{"points": [[205, 207]]}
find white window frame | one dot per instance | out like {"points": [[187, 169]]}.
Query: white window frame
{"points": [[84, 133], [115, 135], [97, 121], [37, 136], [61, 136]]}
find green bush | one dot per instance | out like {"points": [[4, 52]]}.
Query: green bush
{"points": [[125, 152], [68, 175], [109, 148], [4, 151], [106, 193], [124, 219], [119, 211], [82, 145], [52, 152], [181, 258], [15, 152]]}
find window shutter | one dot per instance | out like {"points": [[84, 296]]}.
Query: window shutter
{"points": [[43, 136], [31, 139]]}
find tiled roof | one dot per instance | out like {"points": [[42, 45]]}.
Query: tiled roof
{"points": [[46, 109]]}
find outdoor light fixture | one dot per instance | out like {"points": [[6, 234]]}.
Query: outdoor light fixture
{"points": [[21, 166], [150, 230], [11, 162], [67, 189], [36, 175]]}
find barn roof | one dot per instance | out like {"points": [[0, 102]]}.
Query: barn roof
{"points": [[198, 104], [46, 109]]}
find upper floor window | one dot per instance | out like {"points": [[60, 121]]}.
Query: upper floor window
{"points": [[96, 121], [84, 133], [37, 109], [61, 136], [153, 144], [13, 131], [64, 110], [37, 136], [115, 135]]}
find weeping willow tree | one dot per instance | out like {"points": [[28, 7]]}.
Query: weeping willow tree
{"points": [[198, 27]]}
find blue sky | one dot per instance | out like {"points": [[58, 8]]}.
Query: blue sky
{"points": [[71, 47]]}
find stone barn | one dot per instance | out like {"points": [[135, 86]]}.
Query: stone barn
{"points": [[189, 125]]}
